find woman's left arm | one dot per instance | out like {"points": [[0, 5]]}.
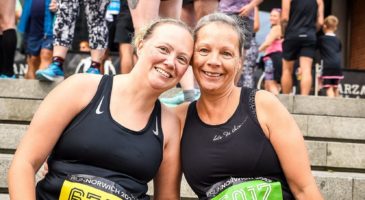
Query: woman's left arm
{"points": [[167, 181], [288, 142]]}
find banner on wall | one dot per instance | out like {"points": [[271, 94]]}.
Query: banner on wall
{"points": [[353, 84]]}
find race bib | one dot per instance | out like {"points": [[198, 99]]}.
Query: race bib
{"points": [[246, 189], [86, 187]]}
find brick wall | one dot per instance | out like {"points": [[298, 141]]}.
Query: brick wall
{"points": [[357, 35]]}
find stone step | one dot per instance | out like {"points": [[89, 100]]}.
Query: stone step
{"points": [[18, 109], [10, 135], [5, 161], [318, 105], [22, 88], [348, 156], [308, 105], [4, 197], [331, 127]]}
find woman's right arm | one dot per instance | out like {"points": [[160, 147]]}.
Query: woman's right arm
{"points": [[56, 111], [275, 33]]}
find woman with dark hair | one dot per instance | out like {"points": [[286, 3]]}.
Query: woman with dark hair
{"points": [[238, 143]]}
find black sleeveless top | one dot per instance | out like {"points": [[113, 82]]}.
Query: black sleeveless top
{"points": [[302, 19], [330, 49], [97, 151], [237, 148]]}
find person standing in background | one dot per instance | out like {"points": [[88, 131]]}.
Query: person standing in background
{"points": [[330, 49], [273, 53], [63, 34], [36, 24], [246, 76], [300, 21], [121, 34], [8, 38]]}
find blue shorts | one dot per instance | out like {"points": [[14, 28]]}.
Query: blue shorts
{"points": [[34, 44]]}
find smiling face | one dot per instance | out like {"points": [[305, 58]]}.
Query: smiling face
{"points": [[167, 52], [216, 58], [275, 17]]}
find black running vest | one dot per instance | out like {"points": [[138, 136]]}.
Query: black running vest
{"points": [[237, 148], [98, 152], [302, 19]]}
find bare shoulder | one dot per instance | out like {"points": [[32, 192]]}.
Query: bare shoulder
{"points": [[82, 81], [277, 29], [267, 105], [265, 98], [77, 89]]}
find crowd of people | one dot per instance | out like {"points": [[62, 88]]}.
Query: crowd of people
{"points": [[47, 27], [113, 135]]}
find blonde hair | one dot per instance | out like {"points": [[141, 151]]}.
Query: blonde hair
{"points": [[331, 22], [146, 32]]}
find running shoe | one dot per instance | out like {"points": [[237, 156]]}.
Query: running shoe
{"points": [[178, 98], [52, 73], [92, 70], [175, 100], [3, 76]]}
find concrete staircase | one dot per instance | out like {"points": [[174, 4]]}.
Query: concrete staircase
{"points": [[334, 130]]}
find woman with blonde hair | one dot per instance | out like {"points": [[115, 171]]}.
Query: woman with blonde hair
{"points": [[109, 136]]}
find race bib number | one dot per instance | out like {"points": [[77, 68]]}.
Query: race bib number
{"points": [[86, 187], [256, 189]]}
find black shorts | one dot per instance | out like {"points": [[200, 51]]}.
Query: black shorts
{"points": [[326, 83], [124, 30], [276, 58], [294, 48], [187, 2]]}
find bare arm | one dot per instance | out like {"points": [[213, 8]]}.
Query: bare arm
{"points": [[256, 22], [168, 178], [275, 33], [285, 5], [45, 129], [320, 14], [245, 10], [284, 134]]}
